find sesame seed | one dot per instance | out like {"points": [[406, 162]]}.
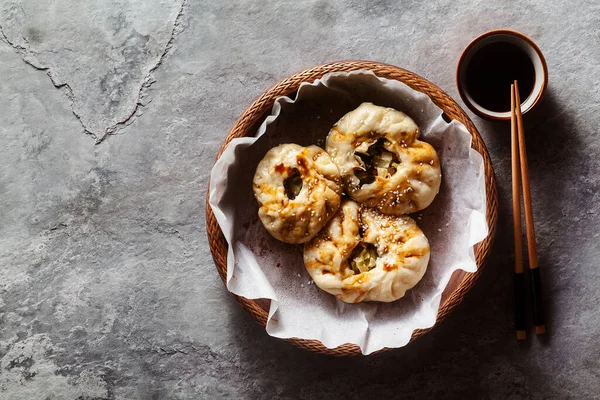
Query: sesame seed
{"points": [[298, 275], [301, 285], [439, 230]]}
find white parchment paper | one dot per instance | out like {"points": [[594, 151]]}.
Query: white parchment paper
{"points": [[259, 266]]}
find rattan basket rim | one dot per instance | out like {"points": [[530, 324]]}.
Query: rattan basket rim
{"points": [[247, 124]]}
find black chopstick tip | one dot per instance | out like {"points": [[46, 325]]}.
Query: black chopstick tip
{"points": [[540, 329], [521, 335]]}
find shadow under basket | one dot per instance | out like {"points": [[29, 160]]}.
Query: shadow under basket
{"points": [[247, 125]]}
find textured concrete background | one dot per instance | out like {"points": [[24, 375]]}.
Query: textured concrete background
{"points": [[111, 114]]}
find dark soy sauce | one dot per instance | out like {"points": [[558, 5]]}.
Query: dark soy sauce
{"points": [[492, 70]]}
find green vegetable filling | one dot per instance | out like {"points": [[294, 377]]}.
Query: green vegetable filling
{"points": [[363, 258]]}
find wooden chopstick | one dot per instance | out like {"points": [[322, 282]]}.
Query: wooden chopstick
{"points": [[534, 271], [519, 274]]}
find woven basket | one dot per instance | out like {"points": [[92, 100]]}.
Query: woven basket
{"points": [[247, 124]]}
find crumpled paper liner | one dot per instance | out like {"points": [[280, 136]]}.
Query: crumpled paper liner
{"points": [[259, 266]]}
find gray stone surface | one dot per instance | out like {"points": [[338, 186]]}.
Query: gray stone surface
{"points": [[107, 286]]}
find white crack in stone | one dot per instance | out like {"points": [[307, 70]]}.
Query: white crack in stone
{"points": [[102, 55]]}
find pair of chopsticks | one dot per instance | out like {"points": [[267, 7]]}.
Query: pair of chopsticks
{"points": [[520, 175]]}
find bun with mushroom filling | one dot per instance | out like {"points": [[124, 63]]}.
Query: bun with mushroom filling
{"points": [[298, 190], [382, 162]]}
